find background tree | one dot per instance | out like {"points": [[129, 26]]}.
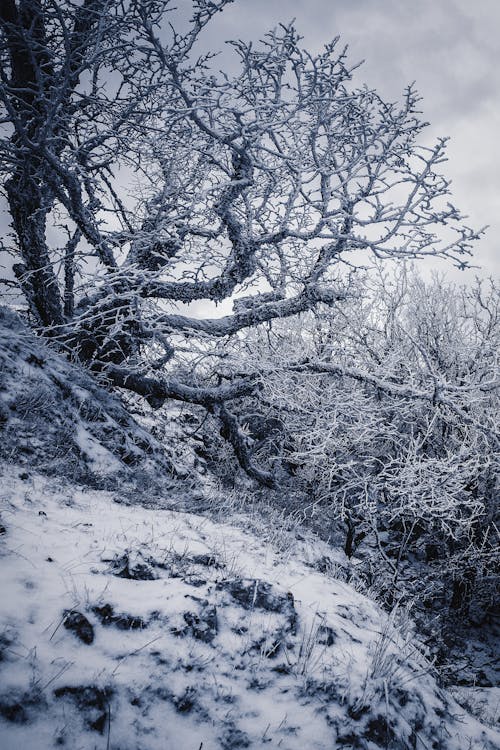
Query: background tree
{"points": [[386, 411], [177, 187]]}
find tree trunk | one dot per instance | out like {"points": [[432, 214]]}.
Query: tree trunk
{"points": [[35, 275]]}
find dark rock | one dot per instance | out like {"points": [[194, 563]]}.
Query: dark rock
{"points": [[381, 733], [128, 622], [133, 567], [91, 701], [357, 713], [13, 711], [203, 626], [209, 561], [254, 594], [283, 669], [326, 690], [18, 707], [194, 581], [351, 740], [122, 621], [7, 639], [105, 614], [402, 696], [79, 626], [324, 564], [326, 635], [33, 359], [234, 738]]}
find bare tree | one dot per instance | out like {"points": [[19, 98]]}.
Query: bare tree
{"points": [[390, 421], [177, 187]]}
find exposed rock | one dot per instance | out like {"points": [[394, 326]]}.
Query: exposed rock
{"points": [[269, 647], [79, 626], [122, 621], [207, 560], [18, 707], [13, 711], [133, 566], [379, 731], [195, 581], [356, 712], [326, 635], [91, 701], [7, 639], [352, 741], [254, 594], [234, 738], [203, 626]]}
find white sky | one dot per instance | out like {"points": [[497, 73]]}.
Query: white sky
{"points": [[450, 48]]}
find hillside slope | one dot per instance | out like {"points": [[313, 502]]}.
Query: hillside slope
{"points": [[55, 418], [150, 628], [130, 628]]}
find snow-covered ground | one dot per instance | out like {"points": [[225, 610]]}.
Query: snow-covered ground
{"points": [[146, 629]]}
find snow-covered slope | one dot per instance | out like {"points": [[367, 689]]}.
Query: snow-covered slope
{"points": [[131, 628], [127, 623], [53, 416]]}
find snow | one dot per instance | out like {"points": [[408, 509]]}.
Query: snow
{"points": [[101, 460], [262, 680]]}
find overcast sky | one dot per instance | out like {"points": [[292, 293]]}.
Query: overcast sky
{"points": [[450, 48]]}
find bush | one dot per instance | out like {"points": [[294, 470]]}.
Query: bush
{"points": [[391, 419]]}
